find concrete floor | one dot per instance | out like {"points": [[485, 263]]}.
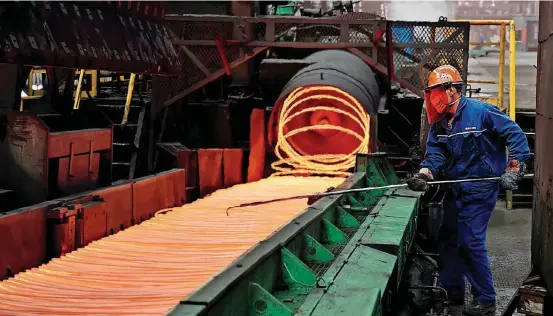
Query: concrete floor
{"points": [[508, 243], [508, 238]]}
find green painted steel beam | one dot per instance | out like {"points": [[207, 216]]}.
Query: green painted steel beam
{"points": [[374, 258], [264, 264], [341, 256], [394, 227], [296, 275], [358, 288], [263, 303], [345, 219], [331, 274], [332, 234], [315, 252], [379, 173]]}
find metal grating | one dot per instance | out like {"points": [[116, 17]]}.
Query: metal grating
{"points": [[419, 47], [320, 268], [404, 51], [197, 60], [365, 33], [194, 38]]}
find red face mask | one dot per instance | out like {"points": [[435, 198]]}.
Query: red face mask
{"points": [[437, 102]]}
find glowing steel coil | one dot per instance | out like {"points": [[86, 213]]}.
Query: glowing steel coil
{"points": [[320, 130], [149, 268]]}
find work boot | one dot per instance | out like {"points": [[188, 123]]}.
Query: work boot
{"points": [[479, 309]]}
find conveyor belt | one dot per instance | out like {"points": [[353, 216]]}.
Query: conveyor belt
{"points": [[148, 268]]}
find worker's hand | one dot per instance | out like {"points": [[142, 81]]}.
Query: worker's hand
{"points": [[419, 182], [512, 175]]}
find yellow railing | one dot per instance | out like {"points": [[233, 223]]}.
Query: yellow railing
{"points": [[503, 24], [40, 71]]}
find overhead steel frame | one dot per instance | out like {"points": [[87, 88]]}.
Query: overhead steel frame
{"points": [[207, 53]]}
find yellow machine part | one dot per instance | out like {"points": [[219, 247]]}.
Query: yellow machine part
{"points": [[148, 268]]}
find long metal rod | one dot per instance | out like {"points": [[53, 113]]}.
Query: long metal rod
{"points": [[385, 187]]}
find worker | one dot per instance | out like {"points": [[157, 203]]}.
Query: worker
{"points": [[467, 139]]}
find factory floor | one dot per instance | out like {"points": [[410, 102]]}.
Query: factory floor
{"points": [[508, 242]]}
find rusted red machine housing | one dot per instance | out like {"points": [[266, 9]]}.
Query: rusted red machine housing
{"points": [[207, 170], [45, 156], [32, 235]]}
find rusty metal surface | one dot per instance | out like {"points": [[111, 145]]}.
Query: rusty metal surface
{"points": [[542, 220], [210, 170], [61, 233], [183, 158], [40, 163], [23, 156], [79, 142], [23, 236], [91, 223], [78, 173], [118, 204], [87, 35], [79, 154], [205, 170], [157, 192], [532, 300], [233, 162]]}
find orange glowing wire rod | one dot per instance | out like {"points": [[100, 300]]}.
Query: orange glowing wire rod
{"points": [[148, 268], [331, 99]]}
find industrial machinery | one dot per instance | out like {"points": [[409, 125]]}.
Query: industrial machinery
{"points": [[290, 105], [67, 131], [322, 124]]}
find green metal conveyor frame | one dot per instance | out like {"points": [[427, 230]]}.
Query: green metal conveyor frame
{"points": [[344, 255]]}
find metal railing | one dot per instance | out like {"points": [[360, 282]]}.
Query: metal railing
{"points": [[210, 46], [499, 101]]}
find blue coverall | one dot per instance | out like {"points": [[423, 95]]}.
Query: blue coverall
{"points": [[474, 147]]}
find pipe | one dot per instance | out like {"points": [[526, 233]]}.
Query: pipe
{"points": [[485, 22], [501, 73], [342, 70], [512, 72]]}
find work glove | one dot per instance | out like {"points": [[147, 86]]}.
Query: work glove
{"points": [[419, 182], [512, 175]]}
